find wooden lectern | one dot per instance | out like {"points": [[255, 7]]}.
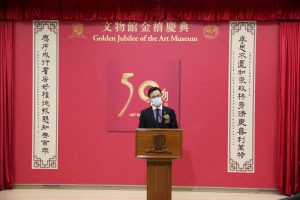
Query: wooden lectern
{"points": [[159, 147]]}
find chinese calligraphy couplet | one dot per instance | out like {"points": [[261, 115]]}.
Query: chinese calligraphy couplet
{"points": [[45, 94], [242, 44]]}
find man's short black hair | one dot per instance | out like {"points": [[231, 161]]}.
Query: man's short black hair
{"points": [[152, 89]]}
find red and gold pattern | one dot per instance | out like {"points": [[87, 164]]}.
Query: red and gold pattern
{"points": [[211, 31], [77, 31]]}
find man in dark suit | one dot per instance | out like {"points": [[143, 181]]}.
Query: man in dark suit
{"points": [[157, 116]]}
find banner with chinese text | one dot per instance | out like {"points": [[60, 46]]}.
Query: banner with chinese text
{"points": [[242, 47], [45, 94]]}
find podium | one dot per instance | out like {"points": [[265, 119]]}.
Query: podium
{"points": [[159, 147]]}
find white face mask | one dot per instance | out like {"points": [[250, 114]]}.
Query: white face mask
{"points": [[156, 101]]}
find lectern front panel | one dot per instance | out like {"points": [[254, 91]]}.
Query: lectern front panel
{"points": [[159, 143]]}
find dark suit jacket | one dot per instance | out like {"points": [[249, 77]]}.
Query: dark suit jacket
{"points": [[147, 119]]}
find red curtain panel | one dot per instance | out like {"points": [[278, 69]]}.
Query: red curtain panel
{"points": [[6, 105], [289, 108], [204, 10]]}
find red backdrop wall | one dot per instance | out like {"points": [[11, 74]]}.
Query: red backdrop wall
{"points": [[88, 154]]}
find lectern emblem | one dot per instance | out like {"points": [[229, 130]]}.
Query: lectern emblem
{"points": [[158, 145], [159, 142]]}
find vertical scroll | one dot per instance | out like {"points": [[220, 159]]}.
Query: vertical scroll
{"points": [[45, 94], [241, 109]]}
